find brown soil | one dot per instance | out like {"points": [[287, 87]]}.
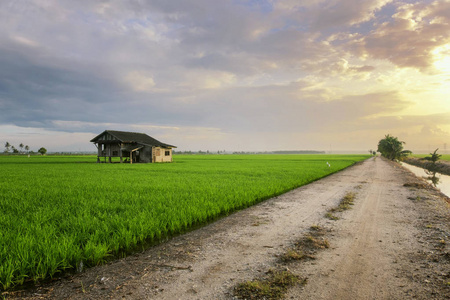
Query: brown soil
{"points": [[392, 244]]}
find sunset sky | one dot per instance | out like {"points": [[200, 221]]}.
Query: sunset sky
{"points": [[235, 75]]}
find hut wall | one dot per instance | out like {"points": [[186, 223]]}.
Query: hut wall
{"points": [[167, 155], [114, 150], [161, 154], [145, 154]]}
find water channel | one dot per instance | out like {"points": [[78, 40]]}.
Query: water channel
{"points": [[442, 182]]}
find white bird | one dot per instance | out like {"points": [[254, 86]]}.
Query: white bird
{"points": [[328, 164]]}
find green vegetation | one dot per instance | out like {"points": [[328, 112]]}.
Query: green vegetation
{"points": [[67, 212], [331, 216], [275, 283], [433, 164], [391, 148], [273, 286], [344, 204], [294, 254], [9, 147], [307, 246], [434, 157], [445, 157], [42, 151]]}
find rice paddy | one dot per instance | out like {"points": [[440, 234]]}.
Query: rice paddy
{"points": [[68, 212]]}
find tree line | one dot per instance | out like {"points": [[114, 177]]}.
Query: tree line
{"points": [[12, 149]]}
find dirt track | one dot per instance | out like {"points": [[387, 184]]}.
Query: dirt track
{"points": [[393, 244]]}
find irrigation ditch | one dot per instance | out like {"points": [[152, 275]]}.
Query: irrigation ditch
{"points": [[442, 167]]}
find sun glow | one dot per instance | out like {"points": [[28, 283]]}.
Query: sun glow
{"points": [[442, 64], [442, 58]]}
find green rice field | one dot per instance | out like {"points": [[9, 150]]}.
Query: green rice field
{"points": [[64, 212]]}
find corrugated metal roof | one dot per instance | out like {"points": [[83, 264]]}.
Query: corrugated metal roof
{"points": [[133, 137]]}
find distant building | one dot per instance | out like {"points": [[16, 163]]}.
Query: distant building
{"points": [[131, 147]]}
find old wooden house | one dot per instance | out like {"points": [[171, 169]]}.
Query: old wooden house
{"points": [[131, 147]]}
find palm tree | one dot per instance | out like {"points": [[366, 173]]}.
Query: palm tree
{"points": [[434, 156], [391, 148], [432, 167], [7, 146], [27, 148], [21, 147]]}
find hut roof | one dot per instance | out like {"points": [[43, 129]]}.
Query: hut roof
{"points": [[132, 137]]}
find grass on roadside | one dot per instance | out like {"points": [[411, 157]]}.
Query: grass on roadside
{"points": [[275, 283], [329, 215], [272, 286], [307, 246], [344, 204]]}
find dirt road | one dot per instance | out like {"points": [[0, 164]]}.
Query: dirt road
{"points": [[393, 244]]}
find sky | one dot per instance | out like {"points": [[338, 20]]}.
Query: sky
{"points": [[234, 75]]}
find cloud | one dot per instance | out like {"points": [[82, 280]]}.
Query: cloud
{"points": [[339, 67], [140, 81], [410, 37], [32, 93], [418, 126], [206, 79], [223, 70], [328, 14], [301, 109], [25, 41], [433, 130]]}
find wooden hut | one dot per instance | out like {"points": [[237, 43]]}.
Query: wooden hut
{"points": [[131, 147]]}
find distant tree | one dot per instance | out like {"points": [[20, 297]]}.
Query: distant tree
{"points": [[21, 147], [434, 156], [14, 149], [27, 148], [391, 148], [42, 151], [432, 168], [7, 146], [374, 153]]}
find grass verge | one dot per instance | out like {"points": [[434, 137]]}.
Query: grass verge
{"points": [[272, 286], [344, 204], [307, 246]]}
